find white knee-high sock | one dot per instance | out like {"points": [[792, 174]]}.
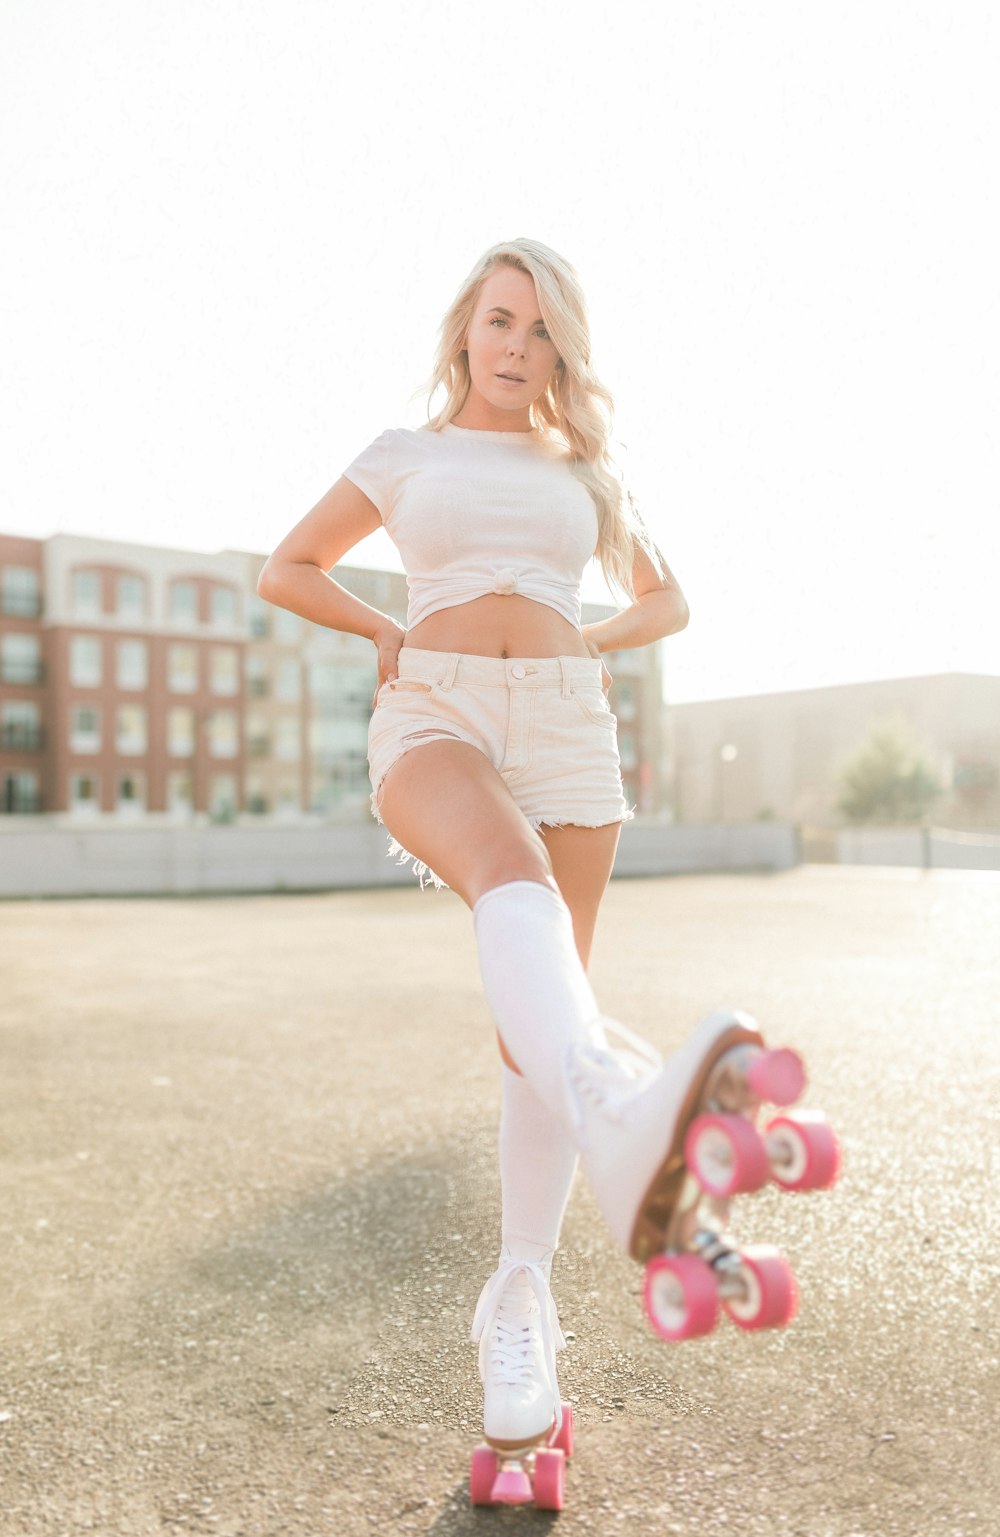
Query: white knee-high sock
{"points": [[538, 1160], [535, 984]]}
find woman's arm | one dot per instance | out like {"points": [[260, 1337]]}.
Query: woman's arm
{"points": [[659, 609], [294, 577]]}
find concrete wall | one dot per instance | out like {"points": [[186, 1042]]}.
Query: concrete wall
{"points": [[930, 848], [50, 860], [45, 859]]}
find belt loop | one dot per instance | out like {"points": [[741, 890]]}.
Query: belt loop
{"points": [[564, 670], [448, 681]]}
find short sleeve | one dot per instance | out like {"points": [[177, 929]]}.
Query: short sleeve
{"points": [[371, 473]]}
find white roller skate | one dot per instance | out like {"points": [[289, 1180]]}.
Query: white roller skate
{"points": [[527, 1428], [666, 1145]]}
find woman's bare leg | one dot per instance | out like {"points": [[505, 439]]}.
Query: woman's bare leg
{"points": [[445, 803], [582, 861]]}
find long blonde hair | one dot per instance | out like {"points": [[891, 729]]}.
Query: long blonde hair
{"points": [[575, 403]]}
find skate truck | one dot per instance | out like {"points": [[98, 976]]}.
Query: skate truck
{"points": [[531, 1474]]}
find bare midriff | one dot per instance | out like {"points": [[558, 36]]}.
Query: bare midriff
{"points": [[496, 625]]}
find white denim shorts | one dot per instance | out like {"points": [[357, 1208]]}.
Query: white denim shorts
{"points": [[543, 722]]}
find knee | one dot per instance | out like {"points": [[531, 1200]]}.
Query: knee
{"points": [[518, 861]]}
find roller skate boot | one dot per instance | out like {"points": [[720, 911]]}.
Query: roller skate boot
{"points": [[665, 1147], [527, 1429], [728, 1147]]}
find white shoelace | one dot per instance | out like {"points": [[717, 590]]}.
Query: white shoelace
{"points": [[600, 1074], [503, 1327]]}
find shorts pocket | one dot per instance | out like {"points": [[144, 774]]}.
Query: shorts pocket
{"points": [[409, 686], [593, 703]]}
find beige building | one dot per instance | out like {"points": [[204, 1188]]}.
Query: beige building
{"points": [[780, 755], [138, 681]]}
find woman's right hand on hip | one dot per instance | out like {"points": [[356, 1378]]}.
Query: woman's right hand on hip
{"points": [[388, 643]]}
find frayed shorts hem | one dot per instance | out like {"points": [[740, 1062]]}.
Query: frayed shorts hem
{"points": [[428, 877]]}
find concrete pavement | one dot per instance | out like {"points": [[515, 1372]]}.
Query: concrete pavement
{"points": [[249, 1197]]}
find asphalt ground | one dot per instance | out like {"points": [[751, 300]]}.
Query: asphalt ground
{"points": [[249, 1197]]}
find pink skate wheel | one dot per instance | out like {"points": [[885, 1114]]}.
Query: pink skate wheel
{"points": [[803, 1151], [771, 1297], [482, 1475], [563, 1442], [777, 1077], [681, 1297], [726, 1154], [512, 1486], [550, 1480]]}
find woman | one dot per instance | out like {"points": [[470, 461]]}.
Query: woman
{"points": [[494, 764]]}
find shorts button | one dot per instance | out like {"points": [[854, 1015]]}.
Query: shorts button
{"points": [[517, 671]]}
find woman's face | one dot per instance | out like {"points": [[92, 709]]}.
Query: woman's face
{"points": [[511, 358]]}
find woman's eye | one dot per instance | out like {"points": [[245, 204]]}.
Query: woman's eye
{"points": [[498, 320]]}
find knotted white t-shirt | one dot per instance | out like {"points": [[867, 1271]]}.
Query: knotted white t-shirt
{"points": [[475, 512]]}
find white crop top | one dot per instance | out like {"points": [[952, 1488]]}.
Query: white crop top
{"points": [[477, 512]]}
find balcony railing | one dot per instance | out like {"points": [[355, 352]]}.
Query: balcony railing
{"points": [[29, 673], [19, 804], [22, 738], [20, 605]]}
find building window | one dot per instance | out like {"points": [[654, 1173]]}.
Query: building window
{"points": [[131, 738], [225, 675], [83, 794], [288, 740], [85, 661], [222, 798], [86, 594], [131, 597], [20, 658], [288, 800], [180, 794], [257, 803], [631, 662], [223, 734], [258, 740], [257, 679], [180, 733], [85, 729], [133, 664], [290, 680], [131, 795], [19, 594], [287, 627], [624, 697], [20, 726], [224, 606], [257, 611], [182, 669], [20, 795], [184, 602]]}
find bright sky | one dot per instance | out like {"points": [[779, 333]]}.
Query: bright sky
{"points": [[229, 229]]}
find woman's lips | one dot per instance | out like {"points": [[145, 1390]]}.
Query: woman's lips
{"points": [[510, 378]]}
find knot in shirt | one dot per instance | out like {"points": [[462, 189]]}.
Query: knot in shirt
{"points": [[506, 581]]}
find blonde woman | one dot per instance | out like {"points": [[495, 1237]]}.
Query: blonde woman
{"points": [[494, 765]]}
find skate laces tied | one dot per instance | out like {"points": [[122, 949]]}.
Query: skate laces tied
{"points": [[609, 1077], [505, 1347]]}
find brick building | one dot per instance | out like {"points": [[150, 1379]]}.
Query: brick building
{"points": [[139, 681]]}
